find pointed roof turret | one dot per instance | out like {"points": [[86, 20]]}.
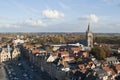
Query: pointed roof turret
{"points": [[88, 30]]}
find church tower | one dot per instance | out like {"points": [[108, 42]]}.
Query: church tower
{"points": [[89, 37]]}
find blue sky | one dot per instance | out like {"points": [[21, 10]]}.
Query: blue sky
{"points": [[59, 15]]}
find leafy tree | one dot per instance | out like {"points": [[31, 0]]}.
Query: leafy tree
{"points": [[98, 52], [102, 53], [108, 40], [108, 51]]}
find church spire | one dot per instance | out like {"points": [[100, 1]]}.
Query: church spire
{"points": [[88, 27]]}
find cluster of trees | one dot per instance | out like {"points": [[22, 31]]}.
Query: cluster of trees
{"points": [[101, 52], [56, 38], [108, 40], [59, 39]]}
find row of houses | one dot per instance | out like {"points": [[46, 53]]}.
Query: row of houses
{"points": [[58, 63], [72, 62], [9, 52]]}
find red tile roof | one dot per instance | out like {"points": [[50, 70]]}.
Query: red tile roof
{"points": [[76, 49], [67, 58], [107, 69], [64, 53], [117, 66], [29, 46], [35, 51]]}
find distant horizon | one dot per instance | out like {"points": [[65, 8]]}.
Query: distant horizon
{"points": [[63, 32]]}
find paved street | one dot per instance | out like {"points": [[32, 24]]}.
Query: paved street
{"points": [[29, 68], [38, 74], [3, 75], [20, 70]]}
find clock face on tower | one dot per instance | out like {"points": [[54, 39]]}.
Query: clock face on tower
{"points": [[89, 36]]}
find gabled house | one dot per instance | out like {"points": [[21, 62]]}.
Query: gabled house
{"points": [[117, 67], [111, 71], [15, 53], [9, 53], [101, 74], [112, 60], [51, 58], [85, 54], [75, 50], [64, 53], [4, 56]]}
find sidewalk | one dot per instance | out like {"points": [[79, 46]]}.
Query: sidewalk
{"points": [[3, 74]]}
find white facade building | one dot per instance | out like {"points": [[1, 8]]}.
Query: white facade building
{"points": [[9, 53]]}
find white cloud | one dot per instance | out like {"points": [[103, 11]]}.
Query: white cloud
{"points": [[91, 18], [53, 14], [9, 26], [31, 22], [28, 22]]}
